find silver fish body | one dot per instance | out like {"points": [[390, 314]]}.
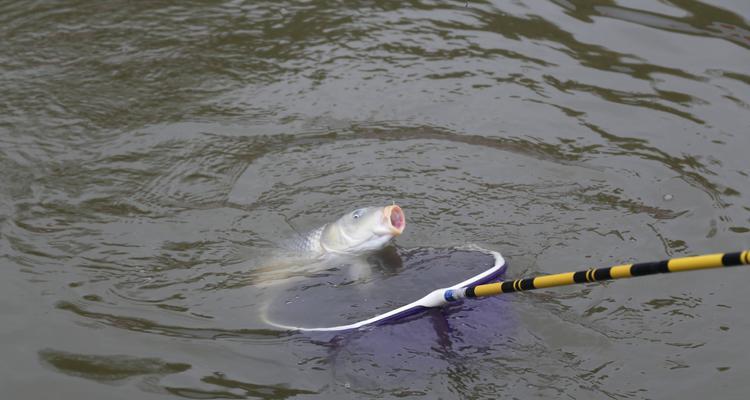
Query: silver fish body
{"points": [[309, 242], [362, 230]]}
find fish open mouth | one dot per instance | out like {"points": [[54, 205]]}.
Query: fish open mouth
{"points": [[396, 218]]}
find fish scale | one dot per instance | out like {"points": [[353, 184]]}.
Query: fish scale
{"points": [[309, 241]]}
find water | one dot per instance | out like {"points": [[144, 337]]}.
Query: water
{"points": [[154, 153]]}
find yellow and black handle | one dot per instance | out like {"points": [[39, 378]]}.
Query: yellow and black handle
{"points": [[603, 274]]}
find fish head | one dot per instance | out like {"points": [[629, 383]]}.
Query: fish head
{"points": [[364, 229]]}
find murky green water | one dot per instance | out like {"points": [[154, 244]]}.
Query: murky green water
{"points": [[152, 153]]}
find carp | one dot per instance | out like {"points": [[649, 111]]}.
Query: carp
{"points": [[360, 231]]}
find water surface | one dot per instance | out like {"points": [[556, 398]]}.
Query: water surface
{"points": [[154, 153]]}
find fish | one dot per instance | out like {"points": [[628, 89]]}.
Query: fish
{"points": [[347, 242], [360, 231]]}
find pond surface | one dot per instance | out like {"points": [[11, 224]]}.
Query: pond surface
{"points": [[154, 154]]}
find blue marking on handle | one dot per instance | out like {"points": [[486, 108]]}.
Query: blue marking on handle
{"points": [[448, 295]]}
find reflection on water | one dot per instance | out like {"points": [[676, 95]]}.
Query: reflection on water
{"points": [[118, 367], [698, 19], [148, 326], [230, 388], [154, 155], [108, 368]]}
